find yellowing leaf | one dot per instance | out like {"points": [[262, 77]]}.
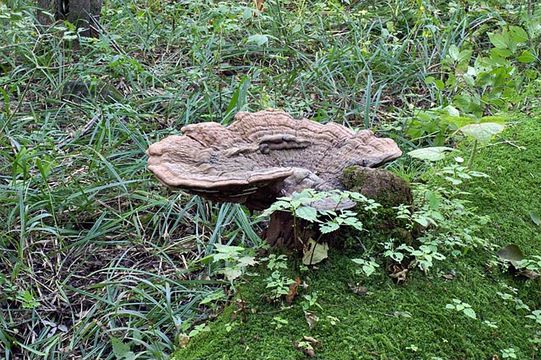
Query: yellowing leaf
{"points": [[482, 132], [430, 153], [314, 252]]}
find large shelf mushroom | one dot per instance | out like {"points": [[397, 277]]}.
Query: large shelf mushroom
{"points": [[264, 155]]}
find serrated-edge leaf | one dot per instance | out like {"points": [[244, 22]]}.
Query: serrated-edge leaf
{"points": [[307, 213]]}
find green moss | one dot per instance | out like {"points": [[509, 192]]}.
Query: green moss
{"points": [[409, 321], [379, 184]]}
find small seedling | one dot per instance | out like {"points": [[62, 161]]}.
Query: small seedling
{"points": [[462, 307]]}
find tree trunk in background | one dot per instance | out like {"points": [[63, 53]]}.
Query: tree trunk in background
{"points": [[82, 13]]}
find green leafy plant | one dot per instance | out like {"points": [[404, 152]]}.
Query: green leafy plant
{"points": [[509, 353], [307, 205], [27, 299], [310, 301], [276, 262], [279, 322], [303, 205], [235, 260], [278, 285], [462, 307], [531, 264], [536, 316], [368, 267]]}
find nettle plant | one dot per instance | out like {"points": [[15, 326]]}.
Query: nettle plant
{"points": [[235, 261], [277, 283], [305, 205], [448, 222]]}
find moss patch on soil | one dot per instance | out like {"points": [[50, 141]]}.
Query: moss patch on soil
{"points": [[408, 321]]}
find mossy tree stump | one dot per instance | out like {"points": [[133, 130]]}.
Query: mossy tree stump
{"points": [[387, 189]]}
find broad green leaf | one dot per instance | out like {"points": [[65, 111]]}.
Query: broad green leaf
{"points": [[228, 249], [307, 213], [454, 52], [503, 53], [458, 121], [498, 119], [232, 273], [315, 252], [421, 221], [535, 218], [245, 261], [482, 132], [517, 34], [465, 56], [440, 85], [452, 111], [120, 349], [526, 57], [430, 153], [469, 312], [328, 227], [500, 41]]}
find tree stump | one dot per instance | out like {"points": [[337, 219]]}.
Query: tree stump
{"points": [[82, 13]]}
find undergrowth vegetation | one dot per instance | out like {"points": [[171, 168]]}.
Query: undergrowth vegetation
{"points": [[97, 260]]}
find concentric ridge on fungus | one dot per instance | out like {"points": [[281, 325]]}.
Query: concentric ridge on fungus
{"points": [[264, 151]]}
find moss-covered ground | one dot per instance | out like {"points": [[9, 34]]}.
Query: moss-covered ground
{"points": [[409, 321]]}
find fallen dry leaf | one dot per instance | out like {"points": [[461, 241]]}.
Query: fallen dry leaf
{"points": [[311, 340], [398, 272], [293, 291], [307, 345], [259, 4], [358, 289], [451, 275], [315, 252], [183, 340], [311, 319], [530, 274]]}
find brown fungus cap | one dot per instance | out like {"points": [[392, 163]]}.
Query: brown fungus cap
{"points": [[264, 155]]}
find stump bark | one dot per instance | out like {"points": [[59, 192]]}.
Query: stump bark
{"points": [[82, 13]]}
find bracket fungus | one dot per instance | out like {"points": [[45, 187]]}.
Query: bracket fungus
{"points": [[262, 156]]}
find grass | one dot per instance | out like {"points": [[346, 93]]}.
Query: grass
{"points": [[96, 258], [409, 321]]}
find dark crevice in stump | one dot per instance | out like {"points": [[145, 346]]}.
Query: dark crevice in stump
{"points": [[284, 231], [280, 232]]}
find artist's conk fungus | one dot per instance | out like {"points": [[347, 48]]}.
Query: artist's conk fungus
{"points": [[264, 155]]}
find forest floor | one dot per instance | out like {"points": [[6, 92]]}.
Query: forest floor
{"points": [[410, 321], [98, 260]]}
